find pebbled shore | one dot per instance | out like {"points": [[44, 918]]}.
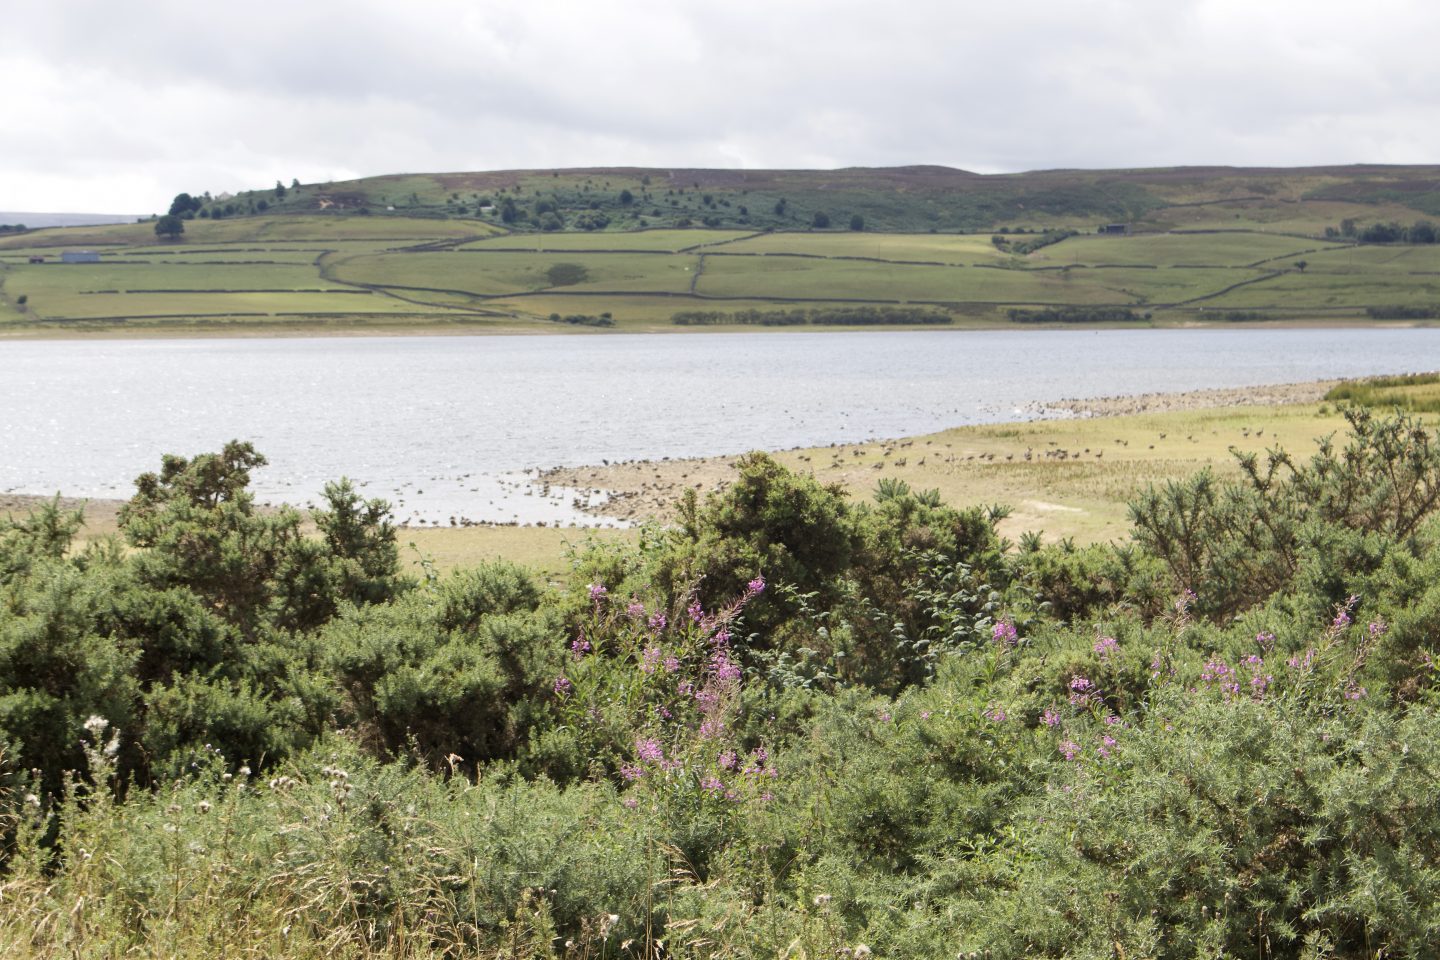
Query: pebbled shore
{"points": [[1266, 396]]}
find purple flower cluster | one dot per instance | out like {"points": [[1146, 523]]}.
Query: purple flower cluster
{"points": [[1106, 646], [1082, 691], [1004, 634]]}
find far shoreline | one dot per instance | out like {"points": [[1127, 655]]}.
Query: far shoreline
{"points": [[76, 329]]}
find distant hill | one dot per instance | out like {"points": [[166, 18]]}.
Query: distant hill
{"points": [[636, 248], [34, 220], [911, 199]]}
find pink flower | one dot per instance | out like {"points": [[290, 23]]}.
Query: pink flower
{"points": [[725, 669], [995, 715], [1050, 718], [649, 750], [755, 587], [635, 609], [562, 687], [1069, 749], [1003, 633], [1106, 646], [597, 590], [658, 621]]}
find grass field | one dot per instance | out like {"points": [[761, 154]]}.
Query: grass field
{"points": [[664, 241], [1205, 249], [926, 248], [457, 269]]}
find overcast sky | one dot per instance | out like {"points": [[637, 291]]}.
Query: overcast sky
{"points": [[117, 106]]}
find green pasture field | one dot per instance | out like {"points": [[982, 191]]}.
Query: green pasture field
{"points": [[498, 273], [1333, 290], [924, 247], [663, 241], [1165, 285], [200, 305], [1373, 258], [61, 278], [802, 277], [1204, 249]]}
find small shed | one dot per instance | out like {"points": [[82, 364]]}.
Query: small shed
{"points": [[79, 256], [37, 259], [1116, 229]]}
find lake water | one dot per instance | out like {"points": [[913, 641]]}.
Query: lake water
{"points": [[449, 426]]}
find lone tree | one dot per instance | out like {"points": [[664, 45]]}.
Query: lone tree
{"points": [[857, 222], [1301, 265], [821, 220], [169, 227]]}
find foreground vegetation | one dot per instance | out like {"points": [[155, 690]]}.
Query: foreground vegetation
{"points": [[556, 250], [796, 724]]}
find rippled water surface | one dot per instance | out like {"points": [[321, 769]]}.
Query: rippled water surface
{"points": [[446, 426]]}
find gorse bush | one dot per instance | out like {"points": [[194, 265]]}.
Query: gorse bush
{"points": [[794, 724]]}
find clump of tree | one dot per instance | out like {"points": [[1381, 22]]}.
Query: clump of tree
{"points": [[185, 205], [169, 227], [565, 274], [1420, 232], [1076, 315], [605, 319], [819, 316], [1402, 313], [1032, 243]]}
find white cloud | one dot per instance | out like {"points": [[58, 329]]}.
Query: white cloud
{"points": [[125, 104]]}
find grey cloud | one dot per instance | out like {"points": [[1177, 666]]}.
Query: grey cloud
{"points": [[319, 88]]}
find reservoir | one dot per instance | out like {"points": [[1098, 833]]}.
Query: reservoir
{"points": [[452, 426]]}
